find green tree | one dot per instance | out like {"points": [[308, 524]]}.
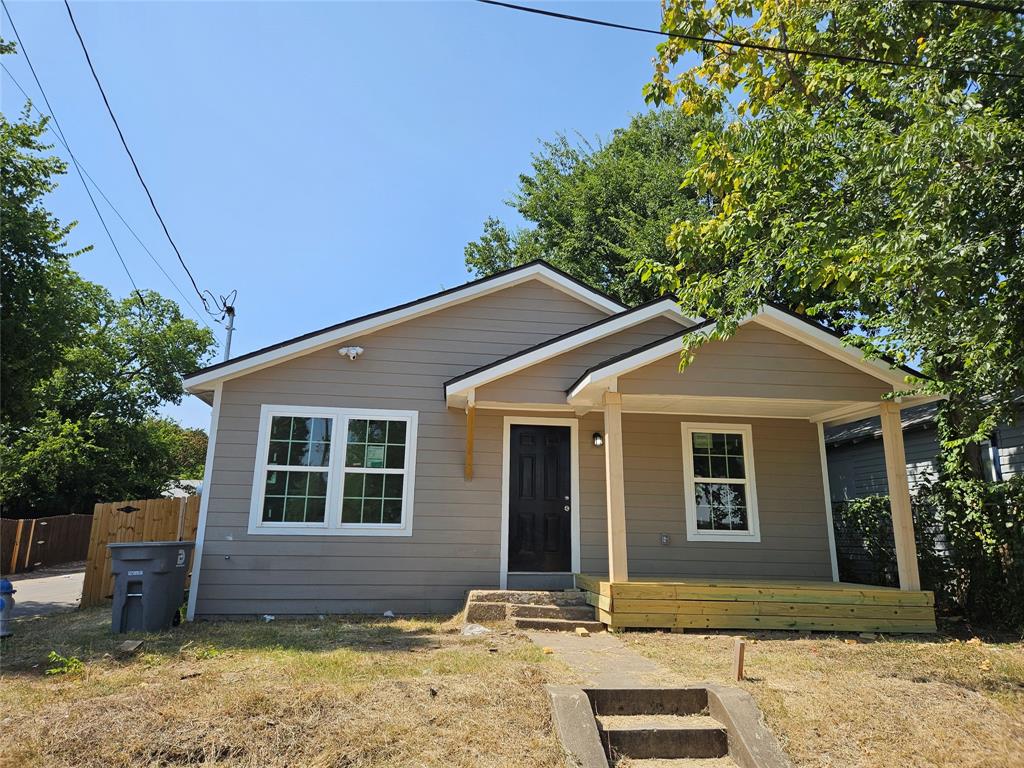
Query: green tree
{"points": [[36, 315], [188, 450], [94, 436], [82, 372], [883, 199], [596, 212]]}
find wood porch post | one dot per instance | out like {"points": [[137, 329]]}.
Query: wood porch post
{"points": [[899, 497], [615, 487]]}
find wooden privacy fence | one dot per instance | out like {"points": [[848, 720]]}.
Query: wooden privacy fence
{"points": [[139, 520], [34, 543]]}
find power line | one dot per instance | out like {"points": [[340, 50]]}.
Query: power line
{"points": [[103, 194], [754, 46], [135, 165], [74, 160]]}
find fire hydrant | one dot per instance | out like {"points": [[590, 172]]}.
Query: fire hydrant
{"points": [[7, 591]]}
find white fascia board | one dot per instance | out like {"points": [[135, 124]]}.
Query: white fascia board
{"points": [[663, 308], [204, 381], [831, 345], [627, 364], [773, 319]]}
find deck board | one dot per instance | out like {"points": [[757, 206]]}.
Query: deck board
{"points": [[757, 604]]}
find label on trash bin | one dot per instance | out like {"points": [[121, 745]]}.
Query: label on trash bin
{"points": [[181, 557], [134, 573]]}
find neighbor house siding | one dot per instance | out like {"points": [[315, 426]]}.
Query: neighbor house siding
{"points": [[756, 362], [456, 526], [547, 381], [1011, 449], [790, 492], [857, 469]]}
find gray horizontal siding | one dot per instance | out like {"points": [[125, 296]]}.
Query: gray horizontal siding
{"points": [[456, 525], [755, 362], [791, 505], [456, 530], [857, 469], [547, 381]]}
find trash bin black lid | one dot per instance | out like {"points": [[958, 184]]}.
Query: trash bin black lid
{"points": [[167, 544]]}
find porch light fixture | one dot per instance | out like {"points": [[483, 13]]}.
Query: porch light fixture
{"points": [[598, 439]]}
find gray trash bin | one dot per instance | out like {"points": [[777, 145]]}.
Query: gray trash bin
{"points": [[149, 583]]}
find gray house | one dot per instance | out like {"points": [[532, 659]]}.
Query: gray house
{"points": [[525, 431], [856, 460]]}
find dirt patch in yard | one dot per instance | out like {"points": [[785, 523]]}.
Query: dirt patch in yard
{"points": [[403, 692], [844, 702]]}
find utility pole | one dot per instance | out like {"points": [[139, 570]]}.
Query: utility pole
{"points": [[229, 310]]}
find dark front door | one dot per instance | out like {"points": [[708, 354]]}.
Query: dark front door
{"points": [[539, 505]]}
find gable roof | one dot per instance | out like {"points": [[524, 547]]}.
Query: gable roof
{"points": [[777, 318], [466, 382], [204, 378]]}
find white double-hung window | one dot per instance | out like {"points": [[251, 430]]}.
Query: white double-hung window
{"points": [[340, 471], [718, 474]]}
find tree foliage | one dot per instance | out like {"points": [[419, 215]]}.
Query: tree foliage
{"points": [[35, 278], [884, 200], [82, 372], [596, 212]]}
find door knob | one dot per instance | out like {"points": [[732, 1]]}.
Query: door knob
{"points": [[566, 507]]}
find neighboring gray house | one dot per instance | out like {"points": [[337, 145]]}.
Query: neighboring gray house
{"points": [[856, 460], [523, 428]]}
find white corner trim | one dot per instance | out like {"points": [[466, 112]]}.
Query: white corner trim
{"points": [[574, 486], [616, 324], [833, 557], [204, 503], [332, 525], [692, 533], [542, 272]]}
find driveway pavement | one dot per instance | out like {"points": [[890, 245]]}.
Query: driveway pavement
{"points": [[48, 590]]}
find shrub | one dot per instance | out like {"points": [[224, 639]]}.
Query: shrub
{"points": [[970, 544]]}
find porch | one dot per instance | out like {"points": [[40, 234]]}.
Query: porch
{"points": [[679, 604]]}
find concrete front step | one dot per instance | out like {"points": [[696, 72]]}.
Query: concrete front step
{"points": [[663, 736], [570, 612], [528, 597], [558, 625]]}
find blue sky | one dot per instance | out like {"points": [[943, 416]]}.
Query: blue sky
{"points": [[324, 159]]}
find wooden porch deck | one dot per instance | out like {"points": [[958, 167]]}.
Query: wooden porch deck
{"points": [[668, 603]]}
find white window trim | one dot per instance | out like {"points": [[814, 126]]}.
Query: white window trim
{"points": [[332, 525], [689, 484]]}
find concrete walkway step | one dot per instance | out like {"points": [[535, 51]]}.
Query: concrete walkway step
{"points": [[558, 625], [676, 762], [570, 612], [649, 736]]}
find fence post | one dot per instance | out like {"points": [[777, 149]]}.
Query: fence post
{"points": [[17, 546], [31, 540], [181, 516]]}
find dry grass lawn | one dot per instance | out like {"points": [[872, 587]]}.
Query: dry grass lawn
{"points": [[335, 693], [894, 702]]}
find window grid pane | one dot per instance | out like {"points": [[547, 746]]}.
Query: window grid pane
{"points": [[721, 506], [375, 444], [295, 496], [718, 456], [372, 498], [300, 441]]}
